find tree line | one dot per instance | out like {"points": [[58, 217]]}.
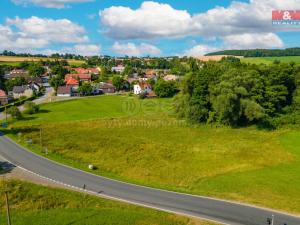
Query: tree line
{"points": [[260, 52], [233, 93]]}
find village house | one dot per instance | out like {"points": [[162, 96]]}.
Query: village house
{"points": [[118, 69], [36, 80], [3, 98], [17, 73], [105, 88], [80, 77], [93, 71], [64, 91], [22, 91], [142, 87], [171, 78]]}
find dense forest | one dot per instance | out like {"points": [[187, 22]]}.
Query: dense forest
{"points": [[233, 93], [260, 52]]}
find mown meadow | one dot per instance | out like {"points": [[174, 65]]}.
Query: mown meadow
{"points": [[270, 60], [40, 205], [141, 141]]}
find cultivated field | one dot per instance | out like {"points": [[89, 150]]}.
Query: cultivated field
{"points": [[52, 206], [142, 142], [15, 61]]}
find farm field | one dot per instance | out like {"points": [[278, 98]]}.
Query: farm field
{"points": [[269, 60], [15, 61], [53, 206], [141, 141]]}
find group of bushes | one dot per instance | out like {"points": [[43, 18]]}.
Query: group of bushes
{"points": [[29, 108]]}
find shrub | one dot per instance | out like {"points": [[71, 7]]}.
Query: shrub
{"points": [[14, 112], [31, 108]]}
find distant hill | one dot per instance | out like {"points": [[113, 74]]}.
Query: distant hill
{"points": [[259, 52]]}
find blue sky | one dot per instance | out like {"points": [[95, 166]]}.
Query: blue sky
{"points": [[170, 27]]}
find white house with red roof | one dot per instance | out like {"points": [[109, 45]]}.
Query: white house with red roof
{"points": [[142, 87]]}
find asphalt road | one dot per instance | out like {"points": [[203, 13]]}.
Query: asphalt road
{"points": [[207, 208]]}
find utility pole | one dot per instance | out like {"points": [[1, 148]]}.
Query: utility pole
{"points": [[41, 137], [7, 209]]}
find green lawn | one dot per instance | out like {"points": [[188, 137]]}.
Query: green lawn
{"points": [[269, 60], [39, 205], [140, 141]]}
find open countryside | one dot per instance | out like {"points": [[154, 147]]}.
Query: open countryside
{"points": [[195, 159], [149, 112]]}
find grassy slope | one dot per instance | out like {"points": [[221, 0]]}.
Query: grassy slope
{"points": [[246, 164], [269, 60], [50, 206]]}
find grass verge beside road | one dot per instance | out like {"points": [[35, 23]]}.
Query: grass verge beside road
{"points": [[141, 142], [39, 205]]}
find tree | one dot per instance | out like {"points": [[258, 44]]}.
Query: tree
{"points": [[118, 82], [55, 82], [31, 107], [19, 81], [59, 71], [85, 89], [165, 89], [36, 70], [14, 112]]}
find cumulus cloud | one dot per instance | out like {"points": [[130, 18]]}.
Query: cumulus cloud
{"points": [[154, 19], [36, 35], [200, 50], [85, 50], [49, 3], [150, 20], [61, 30], [263, 40], [246, 23], [131, 49]]}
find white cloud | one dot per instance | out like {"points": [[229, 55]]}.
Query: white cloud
{"points": [[36, 35], [84, 50], [49, 3], [159, 20], [131, 49], [150, 20], [242, 41], [199, 50], [55, 31]]}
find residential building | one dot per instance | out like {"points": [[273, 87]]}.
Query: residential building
{"points": [[81, 77], [118, 69], [3, 97], [142, 87], [93, 71], [106, 88], [64, 91], [17, 73], [71, 82], [22, 91], [171, 78]]}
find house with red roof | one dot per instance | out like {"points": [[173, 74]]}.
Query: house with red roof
{"points": [[93, 71], [71, 82], [142, 87], [3, 97], [80, 77]]}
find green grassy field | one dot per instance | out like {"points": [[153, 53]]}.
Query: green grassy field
{"points": [[141, 142], [39, 205], [269, 60]]}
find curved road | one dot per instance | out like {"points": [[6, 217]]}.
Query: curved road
{"points": [[207, 208]]}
